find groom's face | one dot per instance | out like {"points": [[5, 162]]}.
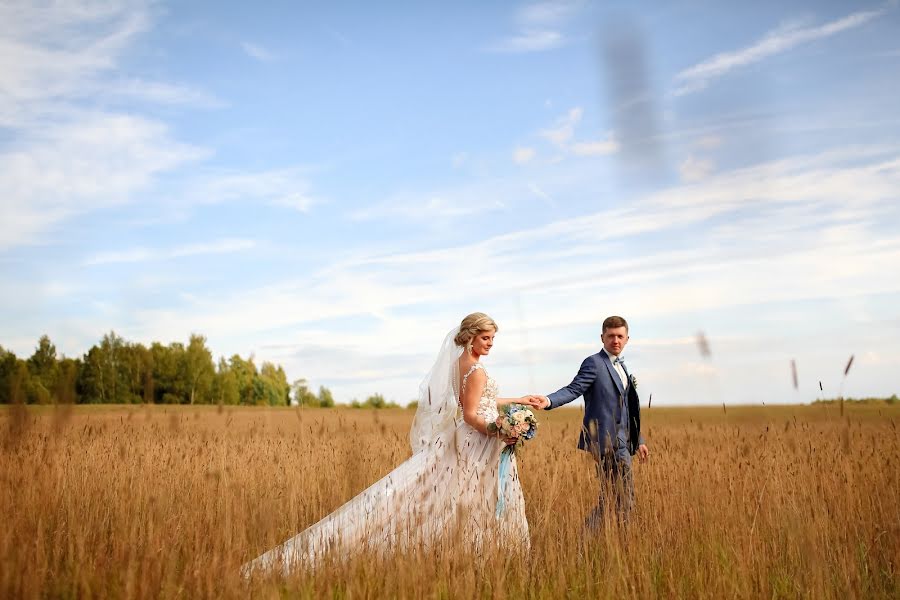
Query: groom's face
{"points": [[614, 340]]}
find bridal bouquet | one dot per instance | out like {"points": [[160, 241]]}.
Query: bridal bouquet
{"points": [[515, 421]]}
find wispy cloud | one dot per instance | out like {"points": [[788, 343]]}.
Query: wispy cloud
{"points": [[55, 59], [562, 135], [562, 131], [529, 41], [694, 169], [133, 255], [435, 206], [540, 193], [775, 42], [288, 188], [595, 148], [70, 153], [510, 261], [160, 93], [540, 27], [523, 154], [99, 161], [814, 213], [257, 52]]}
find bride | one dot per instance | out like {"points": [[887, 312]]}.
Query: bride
{"points": [[451, 486]]}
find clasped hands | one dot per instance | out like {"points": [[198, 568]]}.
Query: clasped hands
{"points": [[536, 401], [542, 403]]}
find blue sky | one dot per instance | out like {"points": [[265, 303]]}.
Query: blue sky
{"points": [[333, 187]]}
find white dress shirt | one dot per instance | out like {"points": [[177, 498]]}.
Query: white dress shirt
{"points": [[618, 369]]}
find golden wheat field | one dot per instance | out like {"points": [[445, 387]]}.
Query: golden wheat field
{"points": [[153, 501]]}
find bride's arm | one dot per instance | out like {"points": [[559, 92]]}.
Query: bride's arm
{"points": [[471, 395]]}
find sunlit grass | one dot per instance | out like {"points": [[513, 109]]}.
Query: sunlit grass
{"points": [[169, 501]]}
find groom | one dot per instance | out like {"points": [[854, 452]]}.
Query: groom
{"points": [[612, 419]]}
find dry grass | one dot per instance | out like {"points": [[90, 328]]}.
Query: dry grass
{"points": [[163, 502]]}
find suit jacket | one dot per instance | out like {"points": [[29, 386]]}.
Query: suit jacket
{"points": [[601, 386]]}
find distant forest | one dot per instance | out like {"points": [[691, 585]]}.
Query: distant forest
{"points": [[116, 371]]}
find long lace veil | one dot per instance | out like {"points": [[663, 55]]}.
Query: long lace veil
{"points": [[436, 412]]}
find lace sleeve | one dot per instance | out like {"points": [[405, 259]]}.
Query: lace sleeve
{"points": [[469, 372]]}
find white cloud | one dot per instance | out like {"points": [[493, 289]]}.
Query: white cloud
{"points": [[800, 229], [257, 52], [475, 197], [709, 142], [540, 193], [55, 57], [545, 14], [562, 134], [694, 169], [289, 188], [562, 131], [815, 257], [69, 154], [160, 93], [597, 148], [531, 41], [775, 42], [132, 255], [540, 27], [523, 154], [101, 160]]}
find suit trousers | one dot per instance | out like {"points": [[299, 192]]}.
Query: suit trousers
{"points": [[616, 490]]}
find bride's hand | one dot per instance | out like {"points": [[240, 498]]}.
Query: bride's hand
{"points": [[510, 441]]}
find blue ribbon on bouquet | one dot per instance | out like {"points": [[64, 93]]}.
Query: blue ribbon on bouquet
{"points": [[505, 462]]}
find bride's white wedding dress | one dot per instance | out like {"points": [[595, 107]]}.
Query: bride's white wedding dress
{"points": [[450, 487]]}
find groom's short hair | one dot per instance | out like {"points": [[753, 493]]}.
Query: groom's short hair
{"points": [[613, 322]]}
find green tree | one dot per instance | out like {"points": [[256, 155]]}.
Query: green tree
{"points": [[375, 401], [116, 371], [276, 391], [7, 371], [326, 400], [65, 391], [302, 395], [169, 373], [44, 370], [104, 377], [245, 376], [199, 370], [136, 372], [90, 381], [378, 401], [20, 382], [225, 388]]}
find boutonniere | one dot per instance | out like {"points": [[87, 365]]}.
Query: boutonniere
{"points": [[634, 382]]}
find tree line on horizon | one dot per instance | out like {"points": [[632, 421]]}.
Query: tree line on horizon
{"points": [[116, 371]]}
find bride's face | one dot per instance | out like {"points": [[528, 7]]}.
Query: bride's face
{"points": [[481, 343]]}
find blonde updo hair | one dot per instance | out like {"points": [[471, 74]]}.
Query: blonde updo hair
{"points": [[472, 325]]}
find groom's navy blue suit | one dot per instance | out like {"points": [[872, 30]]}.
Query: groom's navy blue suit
{"points": [[601, 386], [611, 431]]}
